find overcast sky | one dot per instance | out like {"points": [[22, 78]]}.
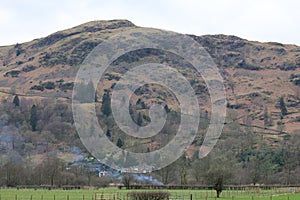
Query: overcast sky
{"points": [[261, 20]]}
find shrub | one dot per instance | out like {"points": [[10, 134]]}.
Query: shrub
{"points": [[37, 87], [297, 119], [28, 68], [49, 85], [295, 78], [287, 67], [12, 73], [66, 86], [19, 62], [149, 195], [244, 65]]}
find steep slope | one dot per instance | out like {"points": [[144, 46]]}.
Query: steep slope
{"points": [[256, 74], [54, 57]]}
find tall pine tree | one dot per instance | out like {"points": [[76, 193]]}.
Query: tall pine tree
{"points": [[140, 119], [90, 92], [33, 117], [16, 101], [108, 134], [106, 108], [282, 107], [120, 143]]}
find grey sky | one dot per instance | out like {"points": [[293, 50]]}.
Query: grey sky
{"points": [[261, 20]]}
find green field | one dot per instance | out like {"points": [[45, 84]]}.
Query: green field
{"points": [[113, 193]]}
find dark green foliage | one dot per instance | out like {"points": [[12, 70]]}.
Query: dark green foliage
{"points": [[18, 52], [112, 77], [16, 100], [287, 67], [33, 117], [49, 85], [66, 86], [120, 143], [296, 81], [282, 106], [81, 51], [51, 39], [12, 73], [19, 49], [167, 109], [38, 87], [106, 101], [292, 76], [108, 134], [62, 86], [29, 68], [149, 195], [267, 118], [144, 106], [54, 58], [295, 78], [19, 62], [140, 119], [131, 111], [245, 65]]}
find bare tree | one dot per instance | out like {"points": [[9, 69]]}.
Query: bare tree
{"points": [[127, 180], [219, 172]]}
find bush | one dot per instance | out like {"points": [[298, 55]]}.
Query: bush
{"points": [[49, 85], [28, 68], [149, 195], [244, 65], [37, 87], [66, 86], [288, 66], [12, 73]]}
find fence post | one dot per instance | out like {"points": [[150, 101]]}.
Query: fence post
{"points": [[67, 197], [30, 197], [42, 197], [16, 197], [191, 196], [83, 197]]}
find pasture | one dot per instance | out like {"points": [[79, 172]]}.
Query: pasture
{"points": [[117, 194]]}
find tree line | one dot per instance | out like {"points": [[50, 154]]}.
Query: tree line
{"points": [[31, 127]]}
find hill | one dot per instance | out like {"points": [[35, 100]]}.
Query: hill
{"points": [[256, 74], [262, 83]]}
